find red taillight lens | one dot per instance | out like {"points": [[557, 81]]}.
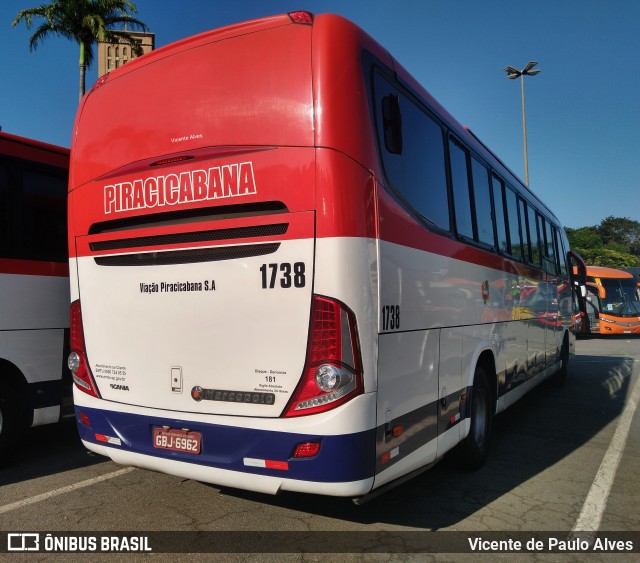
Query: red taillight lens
{"points": [[333, 373], [77, 361], [301, 17], [306, 449]]}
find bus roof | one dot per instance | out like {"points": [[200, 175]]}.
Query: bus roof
{"points": [[234, 82], [25, 142], [602, 272]]}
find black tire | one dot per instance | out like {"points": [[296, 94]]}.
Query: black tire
{"points": [[11, 418], [476, 444], [560, 377]]}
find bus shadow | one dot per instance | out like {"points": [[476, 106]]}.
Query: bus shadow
{"points": [[547, 425], [46, 450]]}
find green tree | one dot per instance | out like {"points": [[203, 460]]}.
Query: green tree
{"points": [[85, 22], [614, 243], [621, 231], [584, 238], [610, 258]]}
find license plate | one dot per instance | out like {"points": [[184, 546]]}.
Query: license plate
{"points": [[177, 440]]}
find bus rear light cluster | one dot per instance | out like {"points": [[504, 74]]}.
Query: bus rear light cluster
{"points": [[77, 360], [333, 373]]}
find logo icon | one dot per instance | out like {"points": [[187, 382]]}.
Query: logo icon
{"points": [[197, 393]]}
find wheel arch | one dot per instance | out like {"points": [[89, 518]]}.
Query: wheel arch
{"points": [[10, 374]]}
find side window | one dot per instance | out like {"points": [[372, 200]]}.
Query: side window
{"points": [[563, 247], [548, 239], [560, 266], [482, 198], [461, 194], [4, 210], [515, 244], [526, 242], [498, 203], [547, 235], [412, 148], [534, 236], [44, 215]]}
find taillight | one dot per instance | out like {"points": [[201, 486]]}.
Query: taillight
{"points": [[77, 361], [333, 370]]}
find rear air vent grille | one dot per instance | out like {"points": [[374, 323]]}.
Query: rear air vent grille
{"points": [[189, 238], [190, 256]]}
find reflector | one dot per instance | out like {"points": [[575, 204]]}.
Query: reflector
{"points": [[306, 449]]}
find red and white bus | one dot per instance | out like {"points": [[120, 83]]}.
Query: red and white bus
{"points": [[292, 269], [35, 385], [613, 301]]}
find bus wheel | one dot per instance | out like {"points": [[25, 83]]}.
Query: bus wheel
{"points": [[10, 418], [476, 444], [560, 377]]}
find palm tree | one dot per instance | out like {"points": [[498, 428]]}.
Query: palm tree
{"points": [[86, 22]]}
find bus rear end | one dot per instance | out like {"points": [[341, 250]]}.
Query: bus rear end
{"points": [[204, 342]]}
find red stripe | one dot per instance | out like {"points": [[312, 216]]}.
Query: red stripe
{"points": [[34, 268], [271, 464], [398, 227]]}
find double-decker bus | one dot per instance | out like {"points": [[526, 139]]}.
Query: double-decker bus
{"points": [[35, 384], [613, 301], [292, 269]]}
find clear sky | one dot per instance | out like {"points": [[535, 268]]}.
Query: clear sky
{"points": [[583, 109]]}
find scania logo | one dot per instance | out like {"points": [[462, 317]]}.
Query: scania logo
{"points": [[196, 393], [119, 387]]}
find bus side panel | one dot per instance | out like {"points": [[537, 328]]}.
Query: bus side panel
{"points": [[337, 53], [36, 302], [346, 263], [407, 402]]}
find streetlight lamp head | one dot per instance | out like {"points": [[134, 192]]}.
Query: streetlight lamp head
{"points": [[511, 72], [529, 66]]}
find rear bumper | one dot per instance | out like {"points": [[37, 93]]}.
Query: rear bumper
{"points": [[231, 456]]}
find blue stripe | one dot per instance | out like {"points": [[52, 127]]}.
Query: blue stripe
{"points": [[343, 458]]}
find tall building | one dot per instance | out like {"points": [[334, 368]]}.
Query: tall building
{"points": [[113, 55]]}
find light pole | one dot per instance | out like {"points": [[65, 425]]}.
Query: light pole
{"points": [[512, 74]]}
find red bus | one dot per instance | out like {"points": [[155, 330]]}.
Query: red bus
{"points": [[292, 269], [35, 386]]}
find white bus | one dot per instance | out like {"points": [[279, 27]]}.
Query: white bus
{"points": [[292, 269], [35, 384]]}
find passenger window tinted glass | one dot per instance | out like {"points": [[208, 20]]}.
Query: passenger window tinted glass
{"points": [[524, 232], [533, 237], [550, 252], [514, 226], [418, 171], [460, 182], [44, 216], [562, 251], [482, 198], [499, 207], [4, 210]]}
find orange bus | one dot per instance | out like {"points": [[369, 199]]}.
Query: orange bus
{"points": [[292, 269], [613, 301]]}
